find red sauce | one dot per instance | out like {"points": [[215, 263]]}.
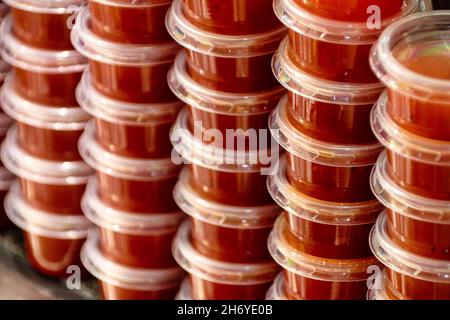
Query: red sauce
{"points": [[329, 183], [42, 30], [232, 74], [236, 17], [424, 111], [112, 292], [331, 61], [331, 241], [420, 237], [425, 179], [133, 22], [331, 121], [139, 251], [350, 10], [52, 256], [208, 290], [239, 245]]}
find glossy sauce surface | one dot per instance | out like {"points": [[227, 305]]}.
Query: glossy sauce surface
{"points": [[112, 292]]}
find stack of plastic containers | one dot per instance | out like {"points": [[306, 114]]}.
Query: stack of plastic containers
{"points": [[412, 179], [6, 178], [127, 142], [224, 77], [323, 123], [41, 149]]}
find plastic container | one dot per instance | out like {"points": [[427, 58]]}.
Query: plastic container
{"points": [[185, 292], [126, 72], [419, 165], [241, 17], [6, 179], [130, 184], [277, 290], [45, 132], [5, 124], [329, 172], [44, 24], [416, 224], [118, 282], [216, 280], [412, 58], [138, 22], [226, 233], [381, 291], [46, 77], [129, 129], [49, 186], [230, 177], [222, 62], [52, 242], [335, 112], [351, 11], [333, 230], [331, 49], [309, 277], [408, 275], [133, 240]]}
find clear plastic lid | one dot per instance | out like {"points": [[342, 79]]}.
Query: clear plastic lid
{"points": [[107, 217], [218, 271], [126, 277], [132, 3], [359, 33], [193, 150], [213, 44], [310, 87], [199, 97], [221, 215], [394, 197], [40, 116], [300, 263], [29, 167], [135, 55], [404, 262], [42, 223], [309, 149], [276, 291], [6, 179], [47, 6], [135, 114], [379, 292], [411, 33], [29, 58], [120, 166], [408, 145], [311, 209], [185, 292]]}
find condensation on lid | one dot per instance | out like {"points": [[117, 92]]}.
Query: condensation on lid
{"points": [[200, 97], [47, 6], [298, 262], [302, 146], [406, 144], [311, 209], [119, 166], [133, 3], [29, 167], [219, 214], [195, 39], [277, 290], [135, 114], [311, 25], [41, 116], [107, 217], [126, 277], [423, 27], [134, 55], [28, 58], [311, 87], [218, 271], [194, 151], [394, 197], [6, 179], [42, 223], [404, 262]]}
